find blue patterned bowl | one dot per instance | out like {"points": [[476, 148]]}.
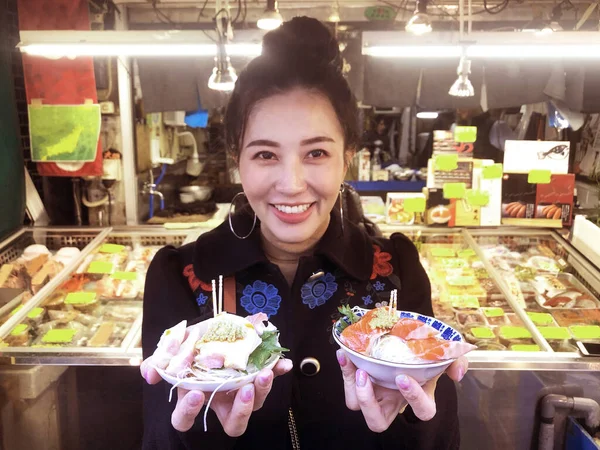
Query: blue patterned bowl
{"points": [[384, 373]]}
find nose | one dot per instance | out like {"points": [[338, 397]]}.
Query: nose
{"points": [[292, 179]]}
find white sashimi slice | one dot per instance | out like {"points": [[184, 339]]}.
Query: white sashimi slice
{"points": [[184, 357], [170, 337], [258, 320]]}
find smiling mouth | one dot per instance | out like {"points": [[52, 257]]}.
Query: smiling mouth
{"points": [[296, 209]]}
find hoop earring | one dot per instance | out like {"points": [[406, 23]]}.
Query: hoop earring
{"points": [[231, 223], [342, 206]]}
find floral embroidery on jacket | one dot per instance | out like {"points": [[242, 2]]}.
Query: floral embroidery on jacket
{"points": [[367, 299], [201, 300], [261, 297], [188, 272], [317, 292], [379, 286], [381, 266]]}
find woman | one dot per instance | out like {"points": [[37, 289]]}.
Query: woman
{"points": [[291, 126]]}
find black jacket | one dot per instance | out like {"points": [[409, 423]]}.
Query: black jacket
{"points": [[358, 270]]}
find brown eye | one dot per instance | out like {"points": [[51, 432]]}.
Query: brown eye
{"points": [[266, 156], [317, 154]]}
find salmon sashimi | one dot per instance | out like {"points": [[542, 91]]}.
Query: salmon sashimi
{"points": [[433, 349], [410, 329], [360, 335]]}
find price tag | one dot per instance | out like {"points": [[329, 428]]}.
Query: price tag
{"points": [[35, 313], [482, 333], [465, 134], [100, 267], [585, 331], [414, 205], [492, 172], [21, 328], [380, 13], [541, 318], [443, 252], [539, 176], [445, 163], [461, 281], [455, 190], [466, 253], [464, 301], [111, 248], [16, 310], [59, 336], [478, 198], [555, 333], [127, 276], [80, 298], [493, 312], [515, 333]]}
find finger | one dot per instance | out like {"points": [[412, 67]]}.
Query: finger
{"points": [[283, 366], [164, 353], [237, 421], [422, 404], [262, 387], [370, 407], [349, 376], [189, 404], [458, 368], [148, 372]]}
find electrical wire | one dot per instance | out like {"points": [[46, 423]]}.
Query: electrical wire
{"points": [[497, 9], [474, 13]]}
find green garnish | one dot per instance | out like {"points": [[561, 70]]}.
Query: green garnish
{"points": [[223, 331], [346, 311], [265, 351], [383, 319]]}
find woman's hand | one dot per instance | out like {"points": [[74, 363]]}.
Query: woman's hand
{"points": [[379, 405], [233, 409]]}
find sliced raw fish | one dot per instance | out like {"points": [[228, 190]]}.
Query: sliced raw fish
{"points": [[360, 335], [410, 329], [433, 349]]}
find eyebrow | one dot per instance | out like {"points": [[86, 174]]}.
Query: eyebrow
{"points": [[268, 143]]}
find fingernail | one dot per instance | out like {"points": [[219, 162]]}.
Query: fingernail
{"points": [[247, 393], [341, 357], [402, 382], [461, 373], [263, 380], [361, 378], [194, 398]]}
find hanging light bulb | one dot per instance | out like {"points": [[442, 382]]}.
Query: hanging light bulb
{"points": [[335, 13], [463, 87], [223, 76], [271, 18], [419, 23]]}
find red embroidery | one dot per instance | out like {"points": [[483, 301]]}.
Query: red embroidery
{"points": [[381, 266], [205, 286], [195, 283]]}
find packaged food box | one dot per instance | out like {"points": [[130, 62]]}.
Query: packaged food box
{"points": [[405, 208], [373, 208], [568, 317]]}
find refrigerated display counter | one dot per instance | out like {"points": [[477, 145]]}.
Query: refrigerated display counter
{"points": [[523, 296]]}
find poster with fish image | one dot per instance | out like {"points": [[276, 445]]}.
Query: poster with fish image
{"points": [[64, 133], [524, 156]]}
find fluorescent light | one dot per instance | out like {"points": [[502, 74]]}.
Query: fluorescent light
{"points": [[427, 115], [414, 51]]}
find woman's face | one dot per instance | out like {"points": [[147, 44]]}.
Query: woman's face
{"points": [[292, 164]]}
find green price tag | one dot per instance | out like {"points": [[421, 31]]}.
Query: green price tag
{"points": [[19, 329], [414, 205], [111, 248], [466, 253], [16, 310], [443, 252], [455, 190], [59, 336], [380, 13], [538, 176], [492, 172], [555, 333], [100, 267], [80, 298], [127, 276], [464, 301], [493, 312], [514, 332], [541, 318], [525, 348], [461, 281], [453, 263], [35, 313], [477, 198], [585, 331], [465, 134], [445, 163], [482, 333]]}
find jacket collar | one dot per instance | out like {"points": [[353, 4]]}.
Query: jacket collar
{"points": [[219, 252]]}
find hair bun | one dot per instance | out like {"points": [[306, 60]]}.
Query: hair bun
{"points": [[303, 40]]}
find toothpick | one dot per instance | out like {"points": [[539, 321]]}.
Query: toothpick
{"points": [[220, 294], [214, 298], [395, 300], [390, 302]]}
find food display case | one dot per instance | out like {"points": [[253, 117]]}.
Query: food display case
{"points": [[93, 314]]}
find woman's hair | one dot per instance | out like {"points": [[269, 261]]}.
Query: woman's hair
{"points": [[301, 53]]}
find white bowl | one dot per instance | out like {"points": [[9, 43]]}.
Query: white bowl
{"points": [[384, 373], [211, 386]]}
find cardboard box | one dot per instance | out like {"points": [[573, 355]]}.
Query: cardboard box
{"points": [[396, 210], [555, 200], [524, 156]]}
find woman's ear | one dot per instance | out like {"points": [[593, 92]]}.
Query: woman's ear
{"points": [[348, 156]]}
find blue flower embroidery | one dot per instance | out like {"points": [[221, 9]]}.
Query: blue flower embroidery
{"points": [[201, 300], [367, 300], [317, 292], [261, 297], [379, 286]]}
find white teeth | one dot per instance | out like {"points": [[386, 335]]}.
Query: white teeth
{"points": [[292, 209]]}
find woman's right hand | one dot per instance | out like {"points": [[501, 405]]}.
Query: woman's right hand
{"points": [[233, 409]]}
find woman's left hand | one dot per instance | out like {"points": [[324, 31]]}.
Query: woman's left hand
{"points": [[380, 406]]}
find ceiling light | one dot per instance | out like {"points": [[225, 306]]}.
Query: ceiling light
{"points": [[223, 76], [419, 23], [271, 18], [462, 87], [427, 115], [335, 13]]}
